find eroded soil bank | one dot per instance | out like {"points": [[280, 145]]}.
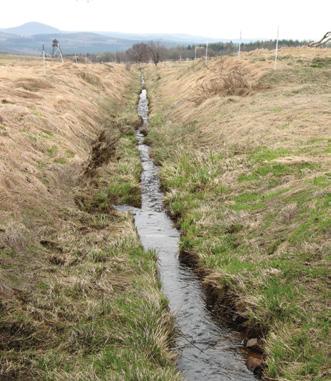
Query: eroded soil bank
{"points": [[244, 155]]}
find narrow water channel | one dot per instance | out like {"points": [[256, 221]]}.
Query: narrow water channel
{"points": [[205, 350]]}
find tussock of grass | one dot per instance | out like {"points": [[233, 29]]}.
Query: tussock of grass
{"points": [[225, 79], [253, 199]]}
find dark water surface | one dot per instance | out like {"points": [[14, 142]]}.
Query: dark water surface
{"points": [[205, 350]]}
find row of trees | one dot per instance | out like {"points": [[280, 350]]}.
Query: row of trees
{"points": [[156, 52], [142, 52]]}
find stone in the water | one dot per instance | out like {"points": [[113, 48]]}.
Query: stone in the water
{"points": [[252, 343], [255, 364]]}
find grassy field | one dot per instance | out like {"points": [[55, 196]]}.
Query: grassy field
{"points": [[80, 298], [245, 162]]}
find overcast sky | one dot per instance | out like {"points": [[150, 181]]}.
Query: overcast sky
{"points": [[298, 19]]}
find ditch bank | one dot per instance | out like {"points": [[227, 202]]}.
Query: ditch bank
{"points": [[79, 296], [205, 349], [252, 201]]}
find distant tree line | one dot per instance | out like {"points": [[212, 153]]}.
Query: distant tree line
{"points": [[230, 47], [156, 52]]}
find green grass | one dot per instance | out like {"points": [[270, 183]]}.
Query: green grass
{"points": [[319, 62], [52, 151], [123, 179], [266, 154], [265, 233], [87, 305], [123, 334], [322, 181], [299, 74]]}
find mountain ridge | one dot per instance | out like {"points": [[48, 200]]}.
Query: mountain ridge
{"points": [[31, 28], [29, 38]]}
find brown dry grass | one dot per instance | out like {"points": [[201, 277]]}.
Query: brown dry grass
{"points": [[290, 106], [47, 126], [247, 175], [79, 297]]}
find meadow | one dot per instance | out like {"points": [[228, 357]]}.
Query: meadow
{"points": [[80, 298], [244, 155]]}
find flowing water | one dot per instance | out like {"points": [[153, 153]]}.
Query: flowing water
{"points": [[205, 350]]}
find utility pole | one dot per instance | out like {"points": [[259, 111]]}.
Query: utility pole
{"points": [[44, 59], [206, 52], [239, 47], [195, 53], [276, 50]]}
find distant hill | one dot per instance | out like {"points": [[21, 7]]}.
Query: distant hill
{"points": [[29, 38], [70, 43], [168, 38], [31, 28]]}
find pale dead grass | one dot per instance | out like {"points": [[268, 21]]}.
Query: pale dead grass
{"points": [[222, 122], [258, 213], [47, 125], [75, 284]]}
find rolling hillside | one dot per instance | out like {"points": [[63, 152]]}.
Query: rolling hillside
{"points": [[31, 28], [29, 38], [70, 42]]}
